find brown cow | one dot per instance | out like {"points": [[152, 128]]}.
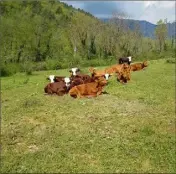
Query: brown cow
{"points": [[99, 73], [138, 66], [125, 74], [58, 88], [92, 89], [84, 77], [117, 68]]}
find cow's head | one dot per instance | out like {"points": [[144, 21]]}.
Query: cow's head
{"points": [[101, 80], [67, 81], [145, 64], [107, 76], [74, 71], [51, 78], [129, 58]]}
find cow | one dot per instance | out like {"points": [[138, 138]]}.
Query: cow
{"points": [[58, 88], [125, 74], [74, 71], [98, 73], [138, 66], [54, 78], [92, 89], [84, 77], [117, 68], [125, 60]]}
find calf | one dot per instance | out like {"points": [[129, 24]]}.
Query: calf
{"points": [[138, 66], [58, 88], [125, 60], [92, 89]]}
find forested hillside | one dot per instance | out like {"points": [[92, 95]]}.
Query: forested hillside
{"points": [[43, 35], [146, 28]]}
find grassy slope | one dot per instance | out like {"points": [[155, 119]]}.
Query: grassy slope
{"points": [[130, 130]]}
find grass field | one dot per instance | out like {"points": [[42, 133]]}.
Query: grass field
{"points": [[131, 129]]}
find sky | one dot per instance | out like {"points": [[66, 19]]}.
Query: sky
{"points": [[151, 11]]}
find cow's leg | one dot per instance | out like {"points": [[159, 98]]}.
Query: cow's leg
{"points": [[99, 92]]}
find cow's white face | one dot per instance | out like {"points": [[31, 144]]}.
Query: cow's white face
{"points": [[74, 70], [107, 76], [51, 77], [129, 58], [67, 81]]}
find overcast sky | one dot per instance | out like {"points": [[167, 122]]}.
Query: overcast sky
{"points": [[150, 11]]}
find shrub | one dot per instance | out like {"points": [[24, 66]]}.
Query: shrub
{"points": [[170, 60], [40, 66], [9, 69], [53, 64], [27, 67]]}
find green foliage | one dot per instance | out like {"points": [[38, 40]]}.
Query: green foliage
{"points": [[171, 61], [46, 33], [27, 67], [161, 34], [9, 69]]}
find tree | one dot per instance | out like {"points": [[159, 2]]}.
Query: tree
{"points": [[161, 33]]}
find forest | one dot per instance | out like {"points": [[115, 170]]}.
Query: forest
{"points": [[50, 35]]}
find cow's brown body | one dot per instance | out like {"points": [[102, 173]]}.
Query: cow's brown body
{"points": [[58, 88], [92, 89], [138, 66], [58, 78], [96, 73], [125, 74]]}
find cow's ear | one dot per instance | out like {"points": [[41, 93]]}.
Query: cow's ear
{"points": [[78, 70], [70, 70]]}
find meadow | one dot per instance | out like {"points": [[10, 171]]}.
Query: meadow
{"points": [[130, 129]]}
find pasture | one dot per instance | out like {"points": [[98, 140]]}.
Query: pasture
{"points": [[130, 129]]}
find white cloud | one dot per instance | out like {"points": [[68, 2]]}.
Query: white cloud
{"points": [[151, 11]]}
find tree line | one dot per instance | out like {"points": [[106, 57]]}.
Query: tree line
{"points": [[41, 35]]}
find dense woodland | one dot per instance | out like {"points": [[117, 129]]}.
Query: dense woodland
{"points": [[44, 35]]}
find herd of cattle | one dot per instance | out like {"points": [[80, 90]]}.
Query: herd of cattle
{"points": [[80, 85]]}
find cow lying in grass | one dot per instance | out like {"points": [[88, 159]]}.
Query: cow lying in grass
{"points": [[63, 86], [125, 74], [98, 73], [58, 88], [92, 89], [138, 66], [54, 78], [117, 68]]}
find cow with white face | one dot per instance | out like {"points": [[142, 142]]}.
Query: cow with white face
{"points": [[54, 78], [74, 71], [67, 81], [51, 78], [107, 76]]}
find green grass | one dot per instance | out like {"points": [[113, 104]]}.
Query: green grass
{"points": [[131, 129]]}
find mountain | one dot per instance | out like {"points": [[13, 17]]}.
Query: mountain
{"points": [[147, 29]]}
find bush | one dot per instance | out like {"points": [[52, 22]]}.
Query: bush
{"points": [[52, 64], [9, 69], [27, 67], [170, 60], [40, 66]]}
